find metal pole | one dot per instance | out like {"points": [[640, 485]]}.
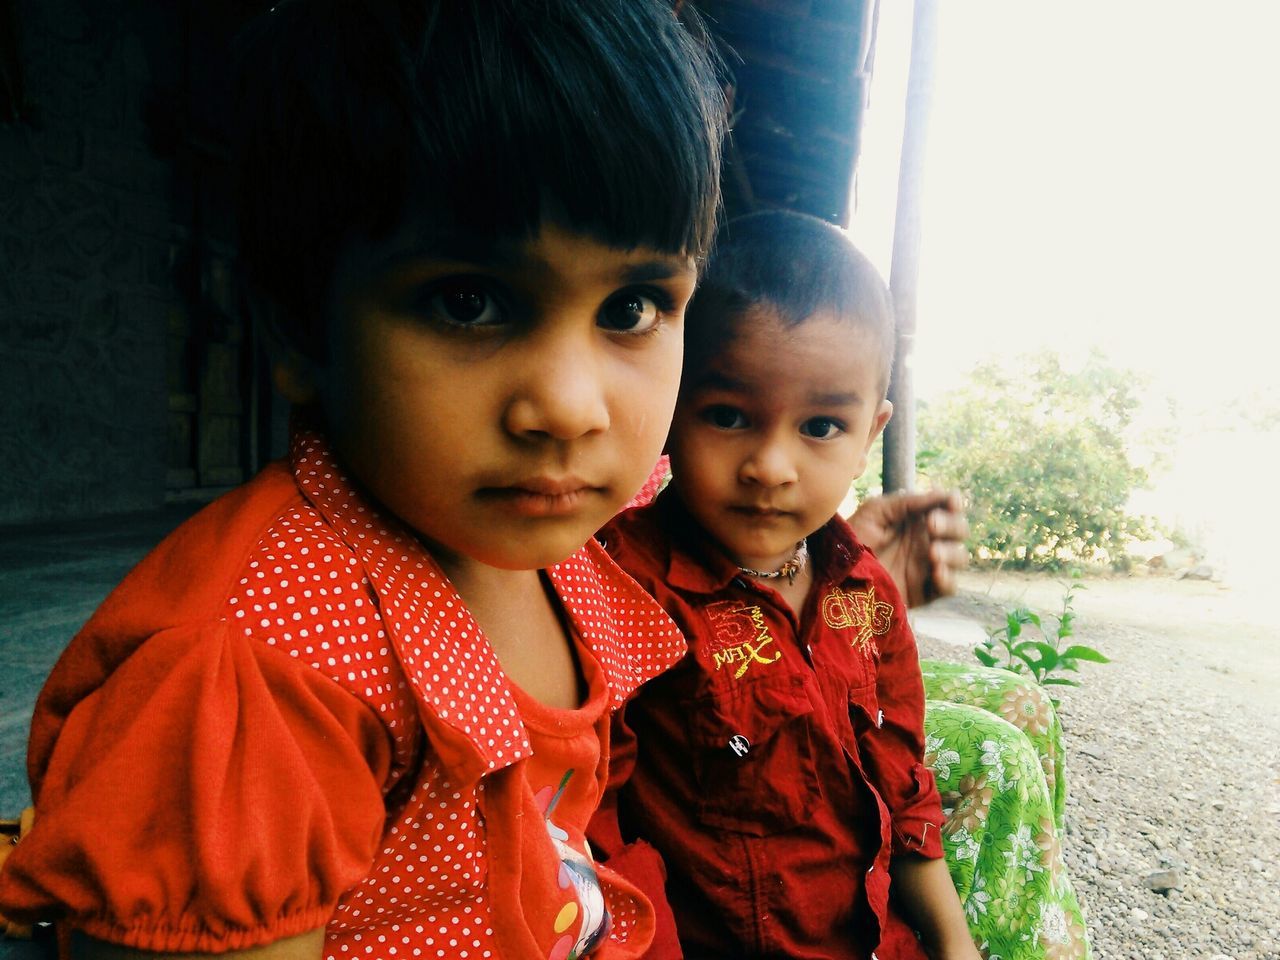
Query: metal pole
{"points": [[900, 436]]}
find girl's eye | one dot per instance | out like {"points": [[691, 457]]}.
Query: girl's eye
{"points": [[630, 313], [464, 304], [821, 428], [726, 418]]}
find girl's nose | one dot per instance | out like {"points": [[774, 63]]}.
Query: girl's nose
{"points": [[561, 392]]}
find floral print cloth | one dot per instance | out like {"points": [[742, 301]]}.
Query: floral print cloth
{"points": [[994, 743]]}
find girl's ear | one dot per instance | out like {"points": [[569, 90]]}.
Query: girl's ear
{"points": [[294, 375], [294, 378]]}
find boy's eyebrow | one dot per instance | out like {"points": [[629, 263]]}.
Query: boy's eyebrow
{"points": [[718, 380], [849, 399], [715, 380]]}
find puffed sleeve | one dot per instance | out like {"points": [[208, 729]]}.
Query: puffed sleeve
{"points": [[895, 749], [213, 794]]}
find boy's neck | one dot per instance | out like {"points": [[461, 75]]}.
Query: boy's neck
{"points": [[794, 592]]}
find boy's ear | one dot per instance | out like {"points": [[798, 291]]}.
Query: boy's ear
{"points": [[880, 421]]}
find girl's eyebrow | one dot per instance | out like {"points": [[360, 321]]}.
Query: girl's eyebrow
{"points": [[505, 253], [648, 270]]}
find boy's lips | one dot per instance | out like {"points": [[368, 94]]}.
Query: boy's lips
{"points": [[762, 513]]}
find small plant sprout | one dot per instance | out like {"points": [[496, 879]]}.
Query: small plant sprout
{"points": [[1014, 647]]}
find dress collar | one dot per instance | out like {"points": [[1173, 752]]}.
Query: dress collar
{"points": [[455, 674]]}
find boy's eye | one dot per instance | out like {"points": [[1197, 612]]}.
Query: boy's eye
{"points": [[821, 428], [630, 312], [463, 303], [726, 418]]}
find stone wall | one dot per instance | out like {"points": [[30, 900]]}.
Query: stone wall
{"points": [[86, 277]]}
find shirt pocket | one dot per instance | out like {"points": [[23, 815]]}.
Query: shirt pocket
{"points": [[865, 711], [753, 756]]}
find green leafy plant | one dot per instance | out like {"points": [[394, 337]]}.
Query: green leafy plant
{"points": [[1043, 450], [1014, 647]]}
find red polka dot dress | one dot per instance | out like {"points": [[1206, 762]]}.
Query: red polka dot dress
{"points": [[286, 718]]}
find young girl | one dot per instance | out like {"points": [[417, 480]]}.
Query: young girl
{"points": [[359, 707]]}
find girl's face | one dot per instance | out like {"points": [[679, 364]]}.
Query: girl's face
{"points": [[504, 402]]}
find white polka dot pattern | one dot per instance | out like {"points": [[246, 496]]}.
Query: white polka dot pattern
{"points": [[355, 597]]}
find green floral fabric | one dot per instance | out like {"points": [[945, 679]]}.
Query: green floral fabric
{"points": [[1011, 697], [994, 744]]}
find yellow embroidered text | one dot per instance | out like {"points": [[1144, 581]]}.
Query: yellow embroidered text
{"points": [[740, 635], [860, 611]]}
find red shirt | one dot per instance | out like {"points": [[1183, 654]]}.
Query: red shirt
{"points": [[780, 765], [285, 718]]}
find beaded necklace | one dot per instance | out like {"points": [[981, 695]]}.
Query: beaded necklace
{"points": [[789, 569]]}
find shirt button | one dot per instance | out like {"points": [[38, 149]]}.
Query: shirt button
{"points": [[739, 744], [880, 719]]}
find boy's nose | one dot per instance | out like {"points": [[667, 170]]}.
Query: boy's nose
{"points": [[769, 465], [561, 392]]}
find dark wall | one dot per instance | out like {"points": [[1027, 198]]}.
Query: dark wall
{"points": [[86, 280]]}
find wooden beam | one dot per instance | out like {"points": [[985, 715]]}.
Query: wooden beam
{"points": [[900, 436]]}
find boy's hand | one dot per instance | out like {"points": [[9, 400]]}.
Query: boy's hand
{"points": [[919, 537]]}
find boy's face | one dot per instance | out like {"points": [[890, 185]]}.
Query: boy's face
{"points": [[504, 401], [769, 436]]}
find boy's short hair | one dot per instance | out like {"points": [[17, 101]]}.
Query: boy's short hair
{"points": [[472, 119], [794, 265]]}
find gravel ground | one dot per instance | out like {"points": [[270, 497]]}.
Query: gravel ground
{"points": [[1173, 763]]}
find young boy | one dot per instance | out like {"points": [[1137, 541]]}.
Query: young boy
{"points": [[779, 766], [360, 707]]}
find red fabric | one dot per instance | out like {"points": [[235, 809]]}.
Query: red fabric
{"points": [[286, 718], [658, 478], [781, 847]]}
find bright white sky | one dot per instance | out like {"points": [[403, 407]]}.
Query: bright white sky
{"points": [[1105, 172]]}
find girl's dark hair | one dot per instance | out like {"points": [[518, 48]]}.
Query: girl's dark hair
{"points": [[473, 118], [794, 265]]}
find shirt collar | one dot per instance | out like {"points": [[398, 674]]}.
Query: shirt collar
{"points": [[439, 644]]}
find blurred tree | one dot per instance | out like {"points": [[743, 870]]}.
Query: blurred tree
{"points": [[1041, 451]]}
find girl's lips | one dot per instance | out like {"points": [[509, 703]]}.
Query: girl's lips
{"points": [[543, 497]]}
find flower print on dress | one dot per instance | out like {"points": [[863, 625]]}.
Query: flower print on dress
{"points": [[971, 805], [1074, 946], [964, 846], [1023, 856], [1027, 708], [583, 921], [993, 759], [976, 903], [938, 758], [1050, 850], [1054, 935]]}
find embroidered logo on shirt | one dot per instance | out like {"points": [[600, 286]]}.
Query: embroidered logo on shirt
{"points": [[740, 635], [860, 611]]}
